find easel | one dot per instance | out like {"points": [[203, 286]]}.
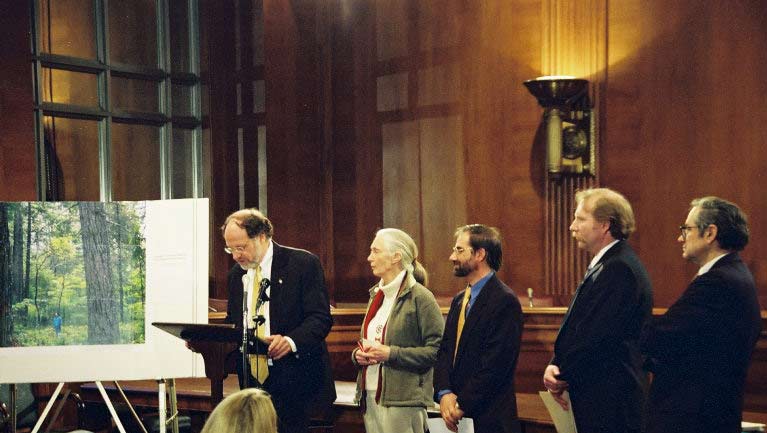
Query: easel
{"points": [[173, 420], [161, 397]]}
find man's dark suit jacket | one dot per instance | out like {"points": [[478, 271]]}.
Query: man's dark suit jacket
{"points": [[597, 349], [299, 309], [699, 352], [483, 374]]}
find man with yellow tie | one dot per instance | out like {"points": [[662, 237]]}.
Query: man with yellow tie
{"points": [[474, 373], [292, 319]]}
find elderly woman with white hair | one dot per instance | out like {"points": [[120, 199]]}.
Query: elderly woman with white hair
{"points": [[401, 335]]}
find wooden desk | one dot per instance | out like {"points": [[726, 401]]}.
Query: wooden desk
{"points": [[194, 396]]}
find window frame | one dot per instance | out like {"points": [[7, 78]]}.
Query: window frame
{"points": [[105, 114]]}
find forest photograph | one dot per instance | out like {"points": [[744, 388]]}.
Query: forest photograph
{"points": [[72, 273]]}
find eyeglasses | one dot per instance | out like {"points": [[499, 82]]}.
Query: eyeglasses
{"points": [[684, 229], [235, 250], [459, 250]]}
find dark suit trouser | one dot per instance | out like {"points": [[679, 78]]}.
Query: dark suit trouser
{"points": [[494, 425], [671, 421], [292, 415], [617, 414]]}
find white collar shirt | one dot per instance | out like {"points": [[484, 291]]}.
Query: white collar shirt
{"points": [[601, 253], [707, 267]]}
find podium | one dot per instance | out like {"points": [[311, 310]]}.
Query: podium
{"points": [[216, 344]]}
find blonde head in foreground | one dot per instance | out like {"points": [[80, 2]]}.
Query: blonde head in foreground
{"points": [[247, 411]]}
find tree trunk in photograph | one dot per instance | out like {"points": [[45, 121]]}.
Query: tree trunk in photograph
{"points": [[5, 287], [119, 224], [61, 294], [37, 290], [17, 259], [102, 302], [29, 249]]}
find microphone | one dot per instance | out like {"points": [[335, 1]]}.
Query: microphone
{"points": [[530, 295], [244, 346], [262, 296]]}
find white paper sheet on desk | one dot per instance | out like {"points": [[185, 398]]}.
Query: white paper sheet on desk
{"points": [[751, 426], [437, 425], [564, 420]]}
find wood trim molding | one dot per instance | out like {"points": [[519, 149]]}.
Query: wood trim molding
{"points": [[574, 42]]}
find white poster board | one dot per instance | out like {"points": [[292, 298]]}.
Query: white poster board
{"points": [[176, 291]]}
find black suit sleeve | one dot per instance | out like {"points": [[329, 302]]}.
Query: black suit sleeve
{"points": [[444, 364], [313, 297], [234, 300], [604, 312], [696, 315]]}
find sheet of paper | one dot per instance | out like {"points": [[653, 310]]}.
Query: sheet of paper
{"points": [[751, 426], [564, 420], [437, 425]]}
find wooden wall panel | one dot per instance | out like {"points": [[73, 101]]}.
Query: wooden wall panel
{"points": [[442, 180], [18, 179], [357, 156], [296, 194], [565, 263], [218, 61], [685, 115], [504, 168], [574, 44], [420, 83], [652, 111]]}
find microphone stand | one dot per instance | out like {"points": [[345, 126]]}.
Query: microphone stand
{"points": [[244, 347]]}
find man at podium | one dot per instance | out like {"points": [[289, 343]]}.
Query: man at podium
{"points": [[288, 309]]}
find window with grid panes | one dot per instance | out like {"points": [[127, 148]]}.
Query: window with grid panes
{"points": [[117, 99]]}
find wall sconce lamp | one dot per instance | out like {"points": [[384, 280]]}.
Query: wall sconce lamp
{"points": [[570, 127]]}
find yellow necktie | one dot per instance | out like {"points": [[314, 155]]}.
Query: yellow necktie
{"points": [[258, 363], [462, 318]]}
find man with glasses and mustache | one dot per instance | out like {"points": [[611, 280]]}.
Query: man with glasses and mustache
{"points": [[596, 353], [296, 317], [699, 350], [474, 373]]}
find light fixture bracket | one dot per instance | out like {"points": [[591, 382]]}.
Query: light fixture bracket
{"points": [[570, 124]]}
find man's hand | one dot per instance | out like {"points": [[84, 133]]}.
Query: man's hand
{"points": [[451, 413], [278, 346], [555, 386], [559, 397]]}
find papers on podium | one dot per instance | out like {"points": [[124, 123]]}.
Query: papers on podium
{"points": [[437, 425], [564, 420]]}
